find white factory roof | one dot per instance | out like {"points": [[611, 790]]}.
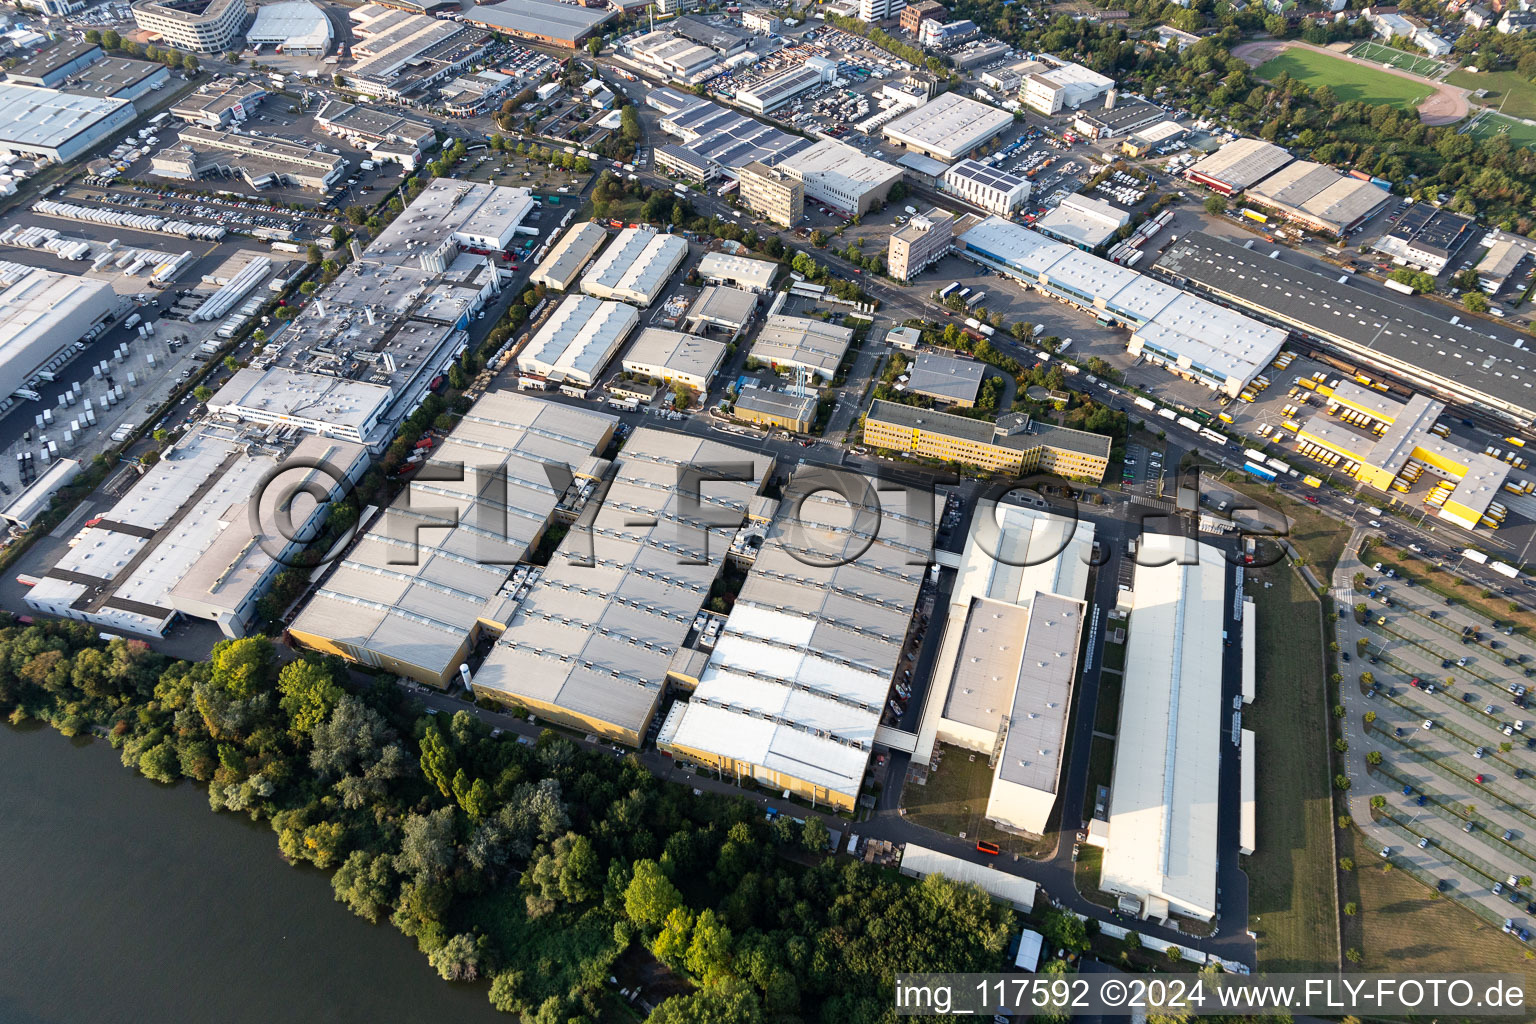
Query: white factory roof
{"points": [[635, 266], [436, 562], [1015, 890], [687, 355], [35, 118], [841, 168], [569, 255], [802, 670], [1242, 162], [292, 24], [949, 125], [1164, 796], [468, 214], [801, 341], [750, 273], [284, 393], [1213, 337], [598, 632], [578, 340], [40, 313], [1084, 220], [1045, 668], [37, 496]]}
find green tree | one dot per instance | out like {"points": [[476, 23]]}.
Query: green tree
{"points": [[1475, 302], [709, 952], [309, 694], [111, 40], [202, 393], [671, 945], [190, 64], [1215, 205], [651, 896], [815, 835], [594, 46]]}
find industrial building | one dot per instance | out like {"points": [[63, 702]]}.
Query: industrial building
{"points": [[635, 266], [1117, 118], [1164, 796], [675, 358], [1055, 85], [118, 78], [49, 68], [722, 308], [715, 138], [1238, 165], [1498, 265], [1008, 657], [841, 177], [768, 408], [576, 342], [565, 261], [1389, 445], [801, 673], [673, 56], [775, 91], [948, 127], [1083, 221], [349, 410], [542, 21], [295, 27], [682, 162], [921, 169], [261, 162], [986, 187], [181, 540], [399, 53], [944, 35], [387, 135], [1319, 198], [946, 379], [36, 498], [42, 314], [722, 37], [1426, 238], [738, 271], [774, 195], [36, 122], [1014, 444], [1146, 140], [1016, 891], [436, 568], [218, 103], [1458, 359], [596, 640], [203, 26], [919, 243], [799, 343], [1194, 338]]}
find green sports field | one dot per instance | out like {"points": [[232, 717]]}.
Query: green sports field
{"points": [[1389, 56], [1348, 80], [1491, 124], [1507, 91]]}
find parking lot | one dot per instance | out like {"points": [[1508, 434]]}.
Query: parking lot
{"points": [[1445, 691]]}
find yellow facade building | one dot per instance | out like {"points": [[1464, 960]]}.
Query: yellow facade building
{"points": [[1014, 444]]}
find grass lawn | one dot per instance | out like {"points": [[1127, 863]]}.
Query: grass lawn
{"points": [[1389, 56], [1291, 875], [1106, 717], [1508, 91], [1491, 125], [955, 801], [1404, 927], [1101, 766], [1318, 538], [1089, 867], [1348, 80]]}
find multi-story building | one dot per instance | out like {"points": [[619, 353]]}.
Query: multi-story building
{"points": [[840, 176], [988, 188], [772, 194], [776, 409], [261, 162], [877, 11], [913, 15], [1014, 444], [920, 242], [207, 26]]}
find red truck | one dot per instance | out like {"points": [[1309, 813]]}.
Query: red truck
{"points": [[425, 444]]}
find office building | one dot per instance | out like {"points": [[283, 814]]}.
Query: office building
{"points": [[841, 177], [919, 243], [295, 27], [798, 679], [985, 187], [36, 122], [261, 162], [565, 261], [635, 266], [1319, 198], [1014, 444], [948, 127], [1164, 796], [576, 342], [1083, 221], [598, 638], [947, 379], [682, 162], [913, 15], [204, 26], [542, 21], [1050, 86], [675, 358], [219, 103], [1237, 165], [1426, 238], [1458, 359], [1196, 339], [436, 569], [942, 35], [767, 408], [183, 539], [773, 194], [738, 271], [875, 12], [763, 21], [793, 343]]}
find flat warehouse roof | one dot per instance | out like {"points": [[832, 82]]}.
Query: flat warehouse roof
{"points": [[579, 339], [570, 254], [1242, 162], [946, 377], [919, 861], [635, 265], [950, 124], [726, 267], [1042, 700], [1470, 358], [675, 352], [44, 119], [801, 340], [776, 403], [1321, 194], [556, 20]]}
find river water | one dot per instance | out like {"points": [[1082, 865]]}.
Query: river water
{"points": [[124, 900]]}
